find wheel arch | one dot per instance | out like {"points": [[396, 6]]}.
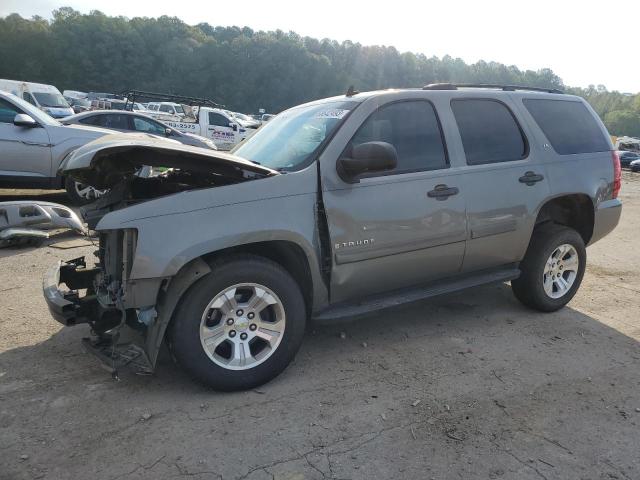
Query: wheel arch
{"points": [[575, 210], [288, 254]]}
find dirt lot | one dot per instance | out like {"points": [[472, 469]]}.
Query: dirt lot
{"points": [[470, 385]]}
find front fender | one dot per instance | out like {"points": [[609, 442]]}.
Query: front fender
{"points": [[166, 243]]}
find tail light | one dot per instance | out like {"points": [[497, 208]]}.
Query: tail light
{"points": [[617, 174]]}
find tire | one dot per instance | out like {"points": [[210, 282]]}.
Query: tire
{"points": [[81, 194], [204, 312], [548, 240]]}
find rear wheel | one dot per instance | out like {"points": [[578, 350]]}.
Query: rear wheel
{"points": [[81, 194], [552, 269], [239, 326]]}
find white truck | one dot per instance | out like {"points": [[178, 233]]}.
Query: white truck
{"points": [[198, 116], [214, 123], [45, 97]]}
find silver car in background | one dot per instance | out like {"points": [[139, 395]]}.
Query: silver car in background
{"points": [[125, 121], [33, 145]]}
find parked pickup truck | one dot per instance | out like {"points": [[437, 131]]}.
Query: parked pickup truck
{"points": [[214, 123], [334, 209]]}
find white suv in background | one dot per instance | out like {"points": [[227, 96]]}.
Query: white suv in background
{"points": [[32, 146]]}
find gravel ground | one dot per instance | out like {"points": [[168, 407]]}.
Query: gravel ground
{"points": [[470, 385]]}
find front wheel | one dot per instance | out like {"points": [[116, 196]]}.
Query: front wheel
{"points": [[240, 325], [552, 269]]}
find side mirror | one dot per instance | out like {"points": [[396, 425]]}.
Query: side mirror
{"points": [[24, 120], [367, 158], [233, 126]]}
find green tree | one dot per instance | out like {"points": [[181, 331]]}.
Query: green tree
{"points": [[237, 66], [623, 122]]}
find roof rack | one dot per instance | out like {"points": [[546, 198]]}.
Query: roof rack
{"points": [[506, 88], [137, 95]]}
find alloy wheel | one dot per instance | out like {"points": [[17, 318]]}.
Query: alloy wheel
{"points": [[242, 326], [560, 271]]}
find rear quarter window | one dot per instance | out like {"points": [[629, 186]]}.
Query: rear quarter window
{"points": [[568, 125]]}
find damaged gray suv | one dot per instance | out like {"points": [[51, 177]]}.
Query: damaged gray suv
{"points": [[334, 209]]}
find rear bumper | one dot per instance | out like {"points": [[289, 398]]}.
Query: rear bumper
{"points": [[606, 217], [67, 306]]}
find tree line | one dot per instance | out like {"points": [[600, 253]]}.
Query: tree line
{"points": [[242, 68]]}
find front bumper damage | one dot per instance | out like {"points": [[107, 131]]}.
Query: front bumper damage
{"points": [[24, 222], [66, 306], [115, 347]]}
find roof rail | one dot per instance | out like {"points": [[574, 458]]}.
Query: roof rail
{"points": [[133, 96], [506, 88]]}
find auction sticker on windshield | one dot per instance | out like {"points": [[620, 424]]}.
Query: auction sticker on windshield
{"points": [[331, 113]]}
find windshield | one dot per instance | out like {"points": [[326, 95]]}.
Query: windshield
{"points": [[54, 100], [179, 109], [289, 141]]}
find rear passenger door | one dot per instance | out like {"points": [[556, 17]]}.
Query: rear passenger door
{"points": [[397, 228], [504, 181]]}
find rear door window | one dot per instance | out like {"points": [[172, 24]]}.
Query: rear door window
{"points": [[568, 125], [117, 121], [412, 127], [489, 131], [97, 120]]}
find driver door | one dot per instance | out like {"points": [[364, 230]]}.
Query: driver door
{"points": [[221, 131], [397, 228], [25, 151]]}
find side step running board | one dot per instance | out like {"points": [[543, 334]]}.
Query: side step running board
{"points": [[371, 304]]}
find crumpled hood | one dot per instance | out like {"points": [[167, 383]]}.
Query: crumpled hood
{"points": [[108, 160]]}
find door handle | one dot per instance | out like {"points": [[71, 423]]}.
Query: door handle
{"points": [[442, 192], [531, 178]]}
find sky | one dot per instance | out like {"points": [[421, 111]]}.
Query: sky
{"points": [[584, 42]]}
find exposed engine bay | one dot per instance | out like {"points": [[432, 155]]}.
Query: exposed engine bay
{"points": [[148, 184], [134, 170]]}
